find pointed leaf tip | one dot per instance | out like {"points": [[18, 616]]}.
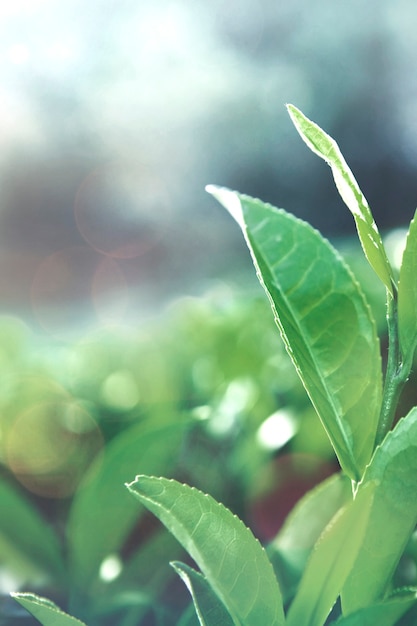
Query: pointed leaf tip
{"points": [[327, 149], [232, 562], [230, 200], [45, 611], [210, 610]]}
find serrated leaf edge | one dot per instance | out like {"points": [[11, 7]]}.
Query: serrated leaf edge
{"points": [[218, 504], [354, 472], [42, 603]]}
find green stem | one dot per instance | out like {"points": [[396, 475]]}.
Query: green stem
{"points": [[396, 375]]}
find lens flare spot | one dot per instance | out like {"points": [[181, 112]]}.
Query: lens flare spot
{"points": [[121, 214], [277, 430], [50, 445], [111, 568], [18, 54], [61, 289], [119, 391]]}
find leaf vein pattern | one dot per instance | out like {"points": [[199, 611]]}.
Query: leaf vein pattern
{"points": [[261, 225], [284, 258], [311, 308], [304, 278]]}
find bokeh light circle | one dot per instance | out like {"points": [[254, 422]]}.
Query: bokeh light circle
{"points": [[50, 445], [120, 213], [73, 287]]}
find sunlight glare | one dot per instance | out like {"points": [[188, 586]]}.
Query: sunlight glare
{"points": [[277, 430], [394, 243], [110, 568], [18, 54]]}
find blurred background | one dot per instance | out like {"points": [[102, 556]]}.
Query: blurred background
{"points": [[129, 305], [114, 117]]}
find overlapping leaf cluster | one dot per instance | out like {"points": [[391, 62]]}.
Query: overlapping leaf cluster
{"points": [[362, 519]]}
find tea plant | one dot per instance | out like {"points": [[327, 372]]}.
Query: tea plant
{"points": [[216, 356], [336, 560]]}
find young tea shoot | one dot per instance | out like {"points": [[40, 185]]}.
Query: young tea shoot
{"points": [[343, 542]]}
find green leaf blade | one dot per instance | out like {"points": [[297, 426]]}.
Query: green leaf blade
{"points": [[324, 321], [407, 295], [386, 613], [209, 609], [45, 611], [31, 542], [393, 515], [331, 562], [326, 148], [292, 546], [230, 558]]}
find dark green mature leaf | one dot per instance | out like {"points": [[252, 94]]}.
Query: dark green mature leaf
{"points": [[330, 562], [102, 513], [228, 555], [291, 548], [386, 613], [31, 542], [407, 295], [210, 610], [45, 611], [324, 321], [393, 515], [325, 147]]}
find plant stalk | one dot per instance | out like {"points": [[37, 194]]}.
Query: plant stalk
{"points": [[397, 372]]}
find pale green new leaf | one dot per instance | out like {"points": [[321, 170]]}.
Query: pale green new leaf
{"points": [[228, 555], [325, 147], [392, 518], [330, 562], [45, 611], [407, 295], [302, 528], [386, 613], [324, 321], [210, 610], [311, 514]]}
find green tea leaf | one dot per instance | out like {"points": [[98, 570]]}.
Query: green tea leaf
{"points": [[324, 321], [386, 613], [291, 548], [407, 295], [325, 147], [45, 611], [102, 514], [228, 555], [26, 537], [330, 562], [393, 515], [209, 609]]}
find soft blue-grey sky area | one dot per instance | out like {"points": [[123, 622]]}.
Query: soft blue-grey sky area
{"points": [[115, 115]]}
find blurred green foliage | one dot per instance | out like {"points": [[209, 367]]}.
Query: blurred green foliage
{"points": [[204, 393]]}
